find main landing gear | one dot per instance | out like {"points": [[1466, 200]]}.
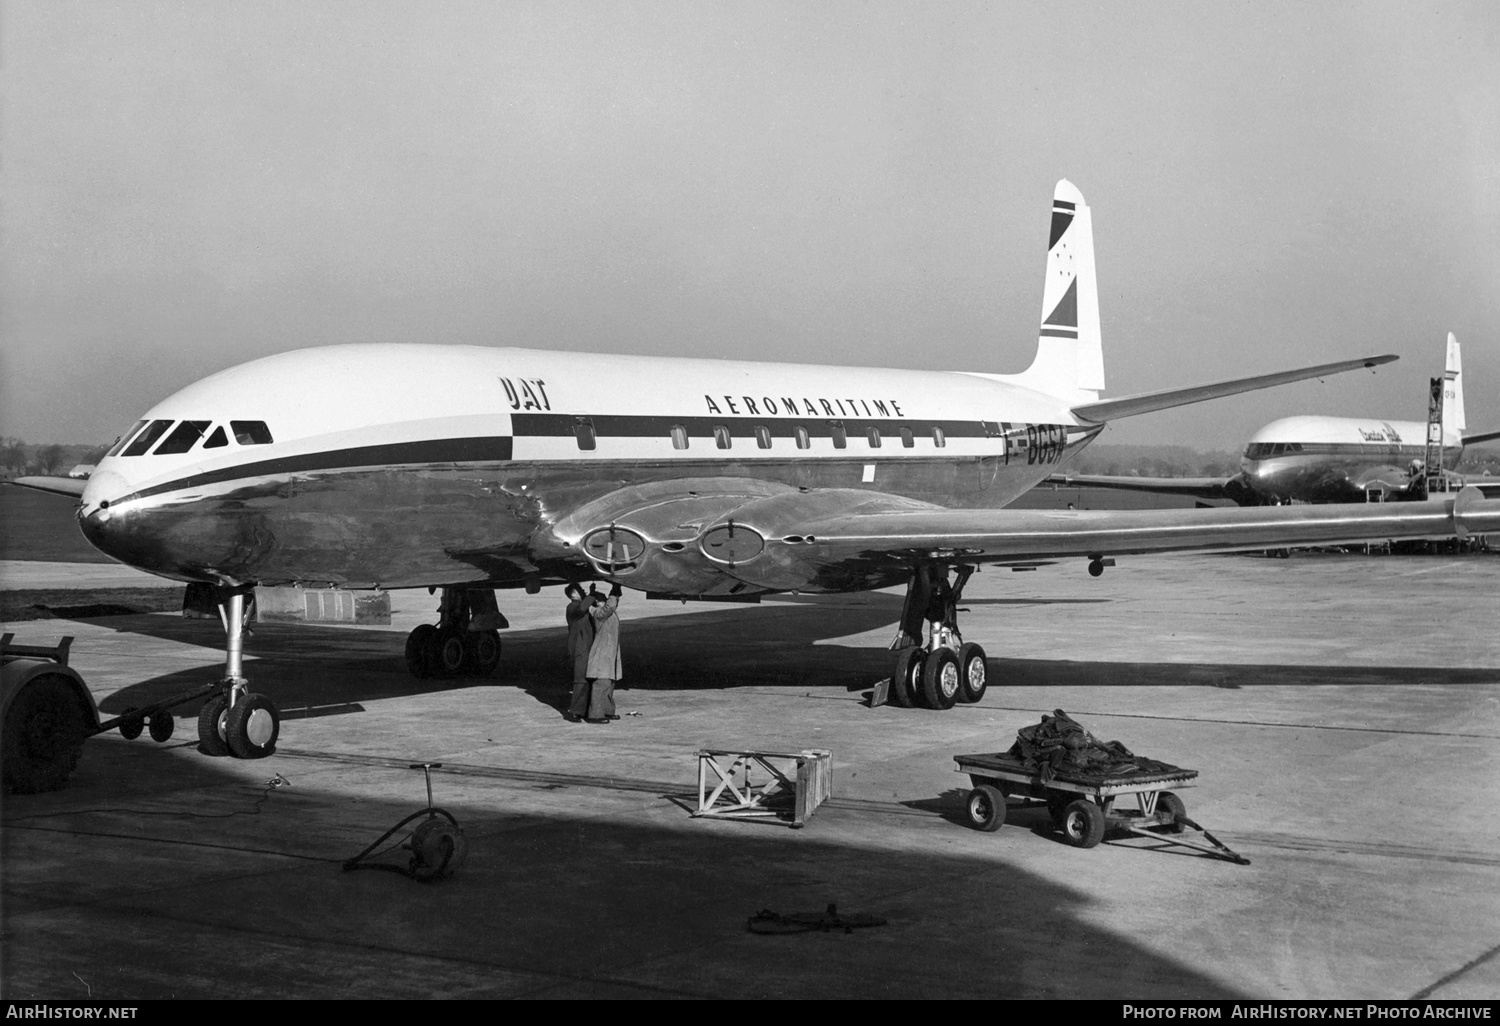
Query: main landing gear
{"points": [[464, 642], [235, 720], [946, 670]]}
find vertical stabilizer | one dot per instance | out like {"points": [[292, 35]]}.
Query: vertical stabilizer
{"points": [[1070, 353], [1453, 391]]}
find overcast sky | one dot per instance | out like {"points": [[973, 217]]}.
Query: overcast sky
{"points": [[190, 185]]}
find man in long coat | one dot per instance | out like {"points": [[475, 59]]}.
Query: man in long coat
{"points": [[580, 640], [604, 658]]}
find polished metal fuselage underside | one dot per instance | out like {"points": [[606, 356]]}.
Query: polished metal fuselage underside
{"points": [[501, 523]]}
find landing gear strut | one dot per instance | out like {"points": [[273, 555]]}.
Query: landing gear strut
{"points": [[945, 670], [235, 720], [464, 641]]}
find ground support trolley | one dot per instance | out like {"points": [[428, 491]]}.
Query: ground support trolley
{"points": [[1083, 807]]}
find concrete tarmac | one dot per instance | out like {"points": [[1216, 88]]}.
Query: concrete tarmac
{"points": [[1343, 711]]}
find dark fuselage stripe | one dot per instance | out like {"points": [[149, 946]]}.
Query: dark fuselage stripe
{"points": [[1354, 450], [557, 425], [436, 450], [496, 449]]}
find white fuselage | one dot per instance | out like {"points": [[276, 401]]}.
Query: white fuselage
{"points": [[403, 465], [1337, 459]]}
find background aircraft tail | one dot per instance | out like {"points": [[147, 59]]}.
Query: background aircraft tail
{"points": [[1070, 352], [1453, 391]]}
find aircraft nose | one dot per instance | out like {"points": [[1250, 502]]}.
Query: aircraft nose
{"points": [[104, 487], [95, 516]]}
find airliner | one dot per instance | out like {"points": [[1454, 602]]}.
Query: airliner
{"points": [[473, 469], [1329, 459]]}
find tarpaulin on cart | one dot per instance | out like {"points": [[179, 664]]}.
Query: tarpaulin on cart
{"points": [[1060, 743]]}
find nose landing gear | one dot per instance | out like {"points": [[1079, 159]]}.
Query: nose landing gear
{"points": [[235, 720]]}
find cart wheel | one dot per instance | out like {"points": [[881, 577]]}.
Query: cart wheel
{"points": [[906, 677], [1083, 823], [986, 808], [131, 728], [1170, 811], [160, 725]]}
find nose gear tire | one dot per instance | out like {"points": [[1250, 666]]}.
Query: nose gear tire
{"points": [[252, 727], [211, 726]]}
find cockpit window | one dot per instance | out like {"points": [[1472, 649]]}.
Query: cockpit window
{"points": [[184, 438], [217, 439], [127, 436], [250, 432], [147, 438]]}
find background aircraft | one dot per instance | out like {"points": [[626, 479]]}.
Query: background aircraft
{"points": [[1328, 459], [473, 469]]}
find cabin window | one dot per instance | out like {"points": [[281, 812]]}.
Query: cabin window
{"points": [[907, 440], [721, 436], [762, 436], [679, 437], [127, 436], [147, 438], [938, 438], [872, 435], [184, 438], [583, 430], [804, 440], [250, 432], [840, 436], [216, 440]]}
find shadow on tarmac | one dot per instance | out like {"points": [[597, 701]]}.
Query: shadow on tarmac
{"points": [[776, 645], [154, 877]]}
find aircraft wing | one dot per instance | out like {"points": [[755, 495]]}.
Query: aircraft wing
{"points": [[1149, 402], [873, 545], [1199, 487], [73, 486]]}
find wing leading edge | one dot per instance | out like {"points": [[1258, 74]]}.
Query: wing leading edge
{"points": [[866, 542], [73, 486]]}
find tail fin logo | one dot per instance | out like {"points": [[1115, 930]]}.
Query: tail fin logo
{"points": [[1062, 322], [1069, 360]]}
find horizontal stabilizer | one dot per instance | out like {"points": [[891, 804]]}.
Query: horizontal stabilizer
{"points": [[1149, 402], [73, 486], [1481, 436]]}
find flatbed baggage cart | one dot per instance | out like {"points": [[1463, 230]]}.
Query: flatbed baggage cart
{"points": [[1084, 807]]}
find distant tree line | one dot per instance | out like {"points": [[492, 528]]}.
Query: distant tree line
{"points": [[1180, 461], [18, 458], [1155, 461]]}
